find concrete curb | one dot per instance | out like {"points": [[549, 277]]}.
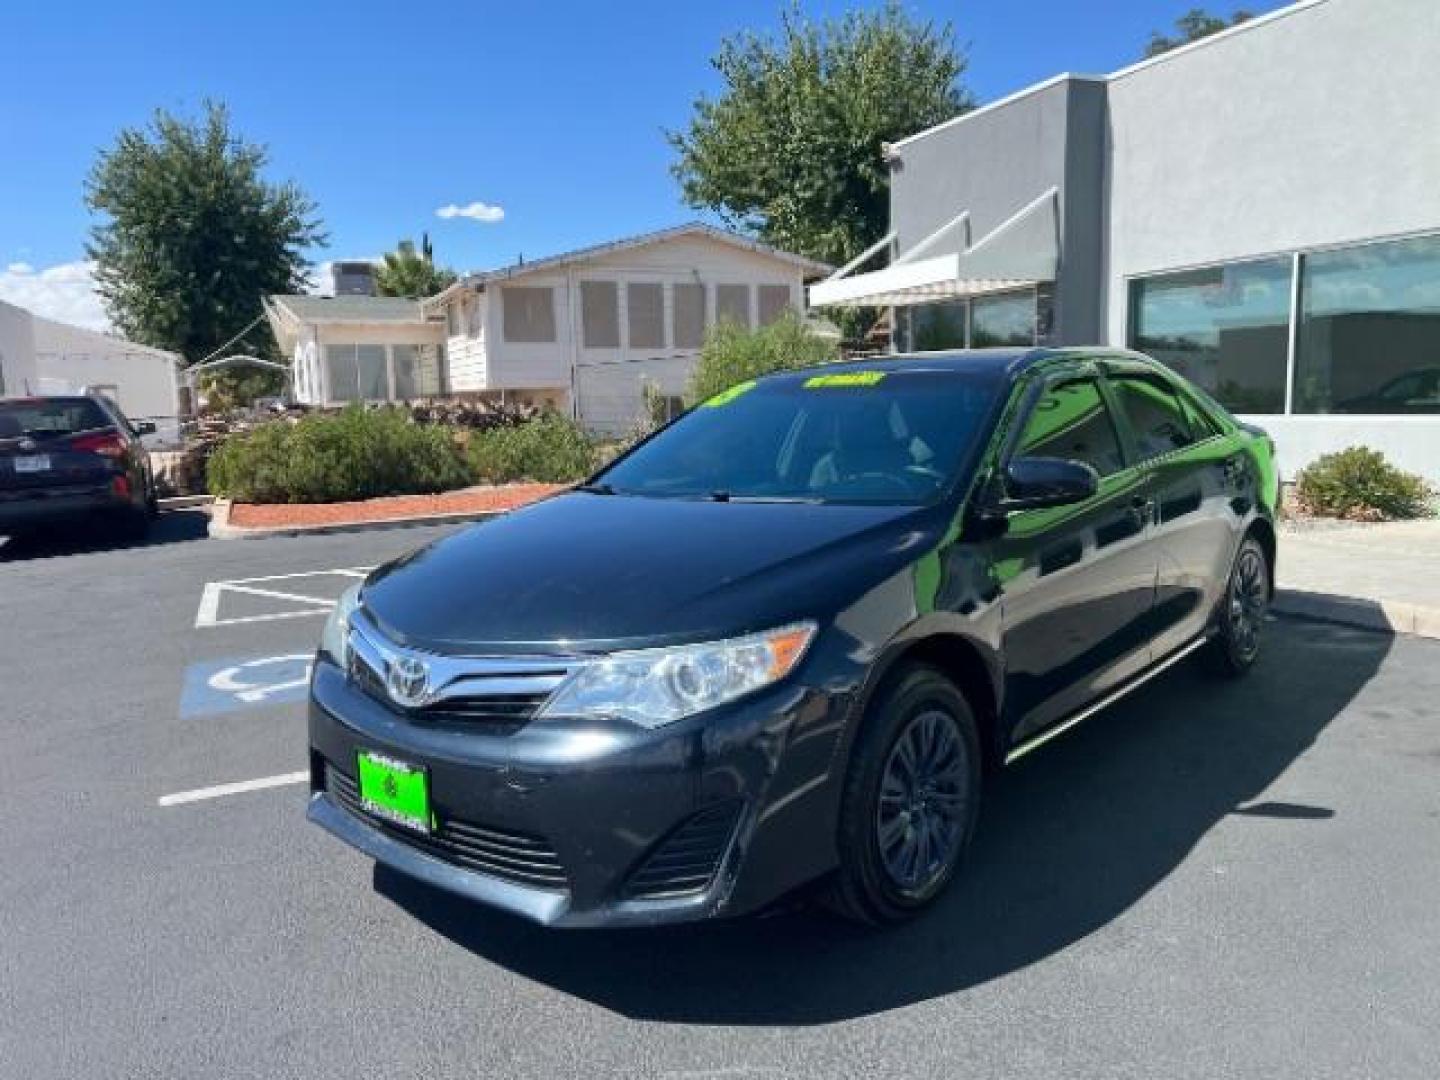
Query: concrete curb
{"points": [[185, 502], [221, 529], [1383, 616]]}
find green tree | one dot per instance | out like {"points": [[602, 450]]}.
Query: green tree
{"points": [[192, 236], [1195, 24], [793, 148], [407, 272]]}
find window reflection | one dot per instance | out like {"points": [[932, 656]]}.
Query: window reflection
{"points": [[1003, 320], [1225, 328], [1370, 330]]}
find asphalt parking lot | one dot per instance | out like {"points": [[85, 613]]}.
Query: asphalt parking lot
{"points": [[1210, 880]]}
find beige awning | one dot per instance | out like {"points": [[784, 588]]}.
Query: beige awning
{"points": [[1022, 251]]}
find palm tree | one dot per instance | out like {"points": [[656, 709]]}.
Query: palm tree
{"points": [[407, 272]]}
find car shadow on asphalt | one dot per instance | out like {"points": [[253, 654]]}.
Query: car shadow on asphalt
{"points": [[84, 538], [1072, 836]]}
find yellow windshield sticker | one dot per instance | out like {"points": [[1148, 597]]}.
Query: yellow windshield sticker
{"points": [[727, 396], [844, 378]]}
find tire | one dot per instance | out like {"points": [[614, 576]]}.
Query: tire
{"points": [[133, 525], [920, 718], [1241, 617]]}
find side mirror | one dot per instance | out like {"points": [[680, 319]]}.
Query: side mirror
{"points": [[143, 427], [1034, 483]]}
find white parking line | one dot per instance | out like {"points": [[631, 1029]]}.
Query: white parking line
{"points": [[214, 593], [236, 788]]}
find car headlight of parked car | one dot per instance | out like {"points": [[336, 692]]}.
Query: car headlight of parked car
{"points": [[335, 641], [654, 687]]}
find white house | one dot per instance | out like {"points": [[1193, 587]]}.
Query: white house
{"points": [[42, 356], [586, 330], [359, 348]]}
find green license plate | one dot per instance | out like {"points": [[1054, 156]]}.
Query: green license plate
{"points": [[395, 791]]}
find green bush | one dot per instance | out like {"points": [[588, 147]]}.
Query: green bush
{"points": [[732, 354], [1358, 484], [332, 457], [549, 450]]}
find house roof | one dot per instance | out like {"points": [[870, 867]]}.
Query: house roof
{"points": [[361, 309], [51, 335], [595, 251]]}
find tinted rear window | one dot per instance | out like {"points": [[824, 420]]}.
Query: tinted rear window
{"points": [[50, 418]]}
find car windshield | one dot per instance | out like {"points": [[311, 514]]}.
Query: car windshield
{"points": [[49, 418], [848, 436]]}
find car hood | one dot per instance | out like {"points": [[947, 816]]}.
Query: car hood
{"points": [[585, 571]]}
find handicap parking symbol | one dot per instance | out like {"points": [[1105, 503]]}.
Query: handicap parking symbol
{"points": [[222, 686]]}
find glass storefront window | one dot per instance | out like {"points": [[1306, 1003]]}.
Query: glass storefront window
{"points": [[1008, 319], [1370, 329], [938, 326], [1225, 328]]}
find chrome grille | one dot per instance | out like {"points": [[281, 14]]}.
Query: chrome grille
{"points": [[498, 694], [518, 857]]}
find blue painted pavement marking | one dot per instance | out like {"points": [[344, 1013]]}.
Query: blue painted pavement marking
{"points": [[222, 686]]}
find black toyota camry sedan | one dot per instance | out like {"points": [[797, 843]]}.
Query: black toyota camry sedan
{"points": [[785, 640]]}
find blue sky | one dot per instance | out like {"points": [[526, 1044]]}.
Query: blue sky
{"points": [[387, 112]]}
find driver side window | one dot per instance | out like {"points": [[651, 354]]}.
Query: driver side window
{"points": [[1070, 421]]}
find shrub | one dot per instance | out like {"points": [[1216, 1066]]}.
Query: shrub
{"points": [[732, 354], [1360, 485], [355, 454], [549, 450]]}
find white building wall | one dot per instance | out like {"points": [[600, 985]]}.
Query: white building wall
{"points": [[1316, 128], [145, 381], [465, 350], [512, 365], [17, 351]]}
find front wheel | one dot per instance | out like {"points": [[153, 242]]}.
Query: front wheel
{"points": [[1236, 644], [911, 799]]}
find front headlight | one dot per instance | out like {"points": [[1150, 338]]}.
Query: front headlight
{"points": [[654, 687], [335, 641]]}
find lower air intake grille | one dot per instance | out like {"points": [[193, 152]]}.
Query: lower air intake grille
{"points": [[686, 860], [525, 860]]}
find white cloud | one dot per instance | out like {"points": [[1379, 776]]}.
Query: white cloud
{"points": [[64, 292], [475, 211]]}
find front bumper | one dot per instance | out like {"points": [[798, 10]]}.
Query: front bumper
{"points": [[754, 784]]}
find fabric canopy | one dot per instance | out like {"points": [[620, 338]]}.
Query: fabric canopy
{"points": [[1022, 251]]}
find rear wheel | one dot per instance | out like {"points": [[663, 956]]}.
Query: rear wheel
{"points": [[911, 799], [1236, 645]]}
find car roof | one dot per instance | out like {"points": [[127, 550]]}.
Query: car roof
{"points": [[1000, 363]]}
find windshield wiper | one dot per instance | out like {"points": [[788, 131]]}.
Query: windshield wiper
{"points": [[596, 489], [725, 496]]}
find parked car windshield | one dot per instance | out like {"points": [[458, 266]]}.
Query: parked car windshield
{"points": [[848, 436], [49, 418]]}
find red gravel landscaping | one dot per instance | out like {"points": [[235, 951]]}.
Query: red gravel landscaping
{"points": [[467, 501]]}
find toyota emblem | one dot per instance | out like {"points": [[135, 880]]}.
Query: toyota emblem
{"points": [[408, 681]]}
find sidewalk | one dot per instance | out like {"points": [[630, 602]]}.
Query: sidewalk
{"points": [[1381, 577]]}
